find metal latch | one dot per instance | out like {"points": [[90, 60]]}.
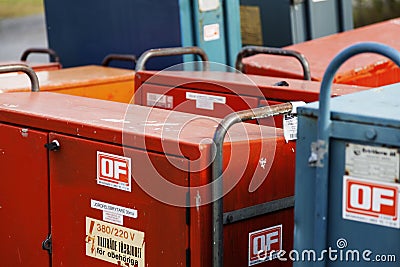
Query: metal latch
{"points": [[53, 145], [318, 151], [47, 244]]}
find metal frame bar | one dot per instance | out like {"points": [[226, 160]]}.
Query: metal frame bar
{"points": [[53, 55], [217, 175], [173, 51], [248, 51], [27, 70], [121, 57], [258, 210]]}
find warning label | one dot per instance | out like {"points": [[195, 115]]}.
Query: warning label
{"points": [[115, 244], [372, 162]]}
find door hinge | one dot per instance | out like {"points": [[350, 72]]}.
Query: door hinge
{"points": [[188, 259], [188, 208], [47, 244]]}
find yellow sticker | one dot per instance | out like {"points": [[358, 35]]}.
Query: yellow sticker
{"points": [[115, 244], [251, 29]]}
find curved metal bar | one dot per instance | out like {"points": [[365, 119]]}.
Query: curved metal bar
{"points": [[121, 57], [26, 69], [248, 51], [324, 122], [217, 190], [174, 51], [53, 55]]}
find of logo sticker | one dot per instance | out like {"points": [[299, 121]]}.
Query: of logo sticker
{"points": [[114, 171], [264, 245], [371, 202]]}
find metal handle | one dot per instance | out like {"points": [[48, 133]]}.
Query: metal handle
{"points": [[53, 55], [324, 122], [248, 51], [217, 189], [121, 57], [174, 51], [26, 69]]}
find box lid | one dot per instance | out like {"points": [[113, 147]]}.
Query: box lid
{"points": [[132, 125], [378, 106], [320, 52], [66, 78]]}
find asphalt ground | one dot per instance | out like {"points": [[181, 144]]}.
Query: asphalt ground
{"points": [[19, 34]]}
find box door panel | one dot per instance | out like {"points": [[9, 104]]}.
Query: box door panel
{"points": [[24, 199], [99, 218]]}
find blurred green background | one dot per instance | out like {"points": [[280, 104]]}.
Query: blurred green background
{"points": [[19, 8], [364, 11], [371, 11]]}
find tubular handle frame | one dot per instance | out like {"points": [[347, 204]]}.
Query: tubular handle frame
{"points": [[173, 51], [217, 177], [248, 51], [324, 130], [121, 57], [25, 69], [53, 55]]}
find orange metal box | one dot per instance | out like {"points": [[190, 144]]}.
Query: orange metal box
{"points": [[129, 185], [217, 94], [365, 70], [90, 81]]}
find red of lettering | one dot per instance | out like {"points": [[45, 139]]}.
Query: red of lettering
{"points": [[262, 243], [371, 199], [113, 169]]}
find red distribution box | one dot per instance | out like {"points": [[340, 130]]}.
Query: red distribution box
{"points": [[130, 185], [217, 94], [365, 70]]}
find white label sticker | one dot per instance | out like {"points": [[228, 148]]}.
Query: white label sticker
{"points": [[115, 244], [372, 162], [113, 217], [208, 5], [205, 101], [211, 32], [371, 202], [290, 127], [159, 100], [113, 213], [264, 245], [114, 171]]}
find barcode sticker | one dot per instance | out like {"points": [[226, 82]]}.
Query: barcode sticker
{"points": [[290, 127], [159, 100]]}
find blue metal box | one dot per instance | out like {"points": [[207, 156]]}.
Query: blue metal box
{"points": [[84, 32], [347, 175]]}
